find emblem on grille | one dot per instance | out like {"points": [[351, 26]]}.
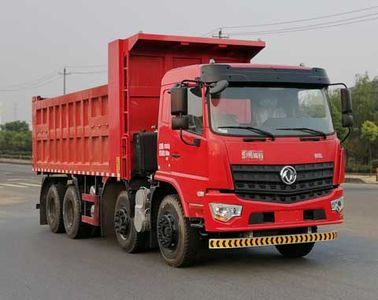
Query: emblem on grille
{"points": [[288, 175]]}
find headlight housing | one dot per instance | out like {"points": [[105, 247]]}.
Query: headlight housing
{"points": [[337, 204], [225, 212]]}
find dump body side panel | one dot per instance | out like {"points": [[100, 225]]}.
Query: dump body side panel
{"points": [[71, 133]]}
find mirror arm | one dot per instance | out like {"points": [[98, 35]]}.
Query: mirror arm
{"points": [[196, 142], [185, 83], [346, 136], [339, 83]]}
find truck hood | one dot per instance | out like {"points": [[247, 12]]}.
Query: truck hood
{"points": [[282, 151]]}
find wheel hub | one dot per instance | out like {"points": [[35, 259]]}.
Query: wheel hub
{"points": [[122, 221], [167, 231]]}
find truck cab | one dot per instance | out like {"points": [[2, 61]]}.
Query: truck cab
{"points": [[251, 151], [261, 153]]}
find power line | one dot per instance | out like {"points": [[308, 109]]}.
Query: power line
{"points": [[29, 83], [307, 27], [43, 78], [295, 21], [52, 79], [306, 19], [85, 66], [90, 72], [65, 73], [315, 25]]}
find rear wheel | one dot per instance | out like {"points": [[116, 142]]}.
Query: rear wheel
{"points": [[178, 241], [72, 215], [54, 204], [128, 238]]}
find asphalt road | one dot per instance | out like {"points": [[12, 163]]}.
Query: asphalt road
{"points": [[37, 264]]}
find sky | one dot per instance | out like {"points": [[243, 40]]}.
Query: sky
{"points": [[39, 37]]}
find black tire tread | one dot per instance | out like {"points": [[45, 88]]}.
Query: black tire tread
{"points": [[140, 243], [139, 240], [295, 250], [190, 241], [61, 191], [83, 228], [60, 188]]}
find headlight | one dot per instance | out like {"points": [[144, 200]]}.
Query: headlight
{"points": [[338, 204], [225, 212]]}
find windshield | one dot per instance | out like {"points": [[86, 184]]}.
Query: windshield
{"points": [[279, 111]]}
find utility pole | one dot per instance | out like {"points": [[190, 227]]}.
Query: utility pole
{"points": [[64, 79], [1, 112], [220, 34], [15, 111]]}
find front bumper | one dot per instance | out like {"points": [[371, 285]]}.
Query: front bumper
{"points": [[285, 215], [271, 240]]}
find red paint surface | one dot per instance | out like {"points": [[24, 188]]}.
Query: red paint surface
{"points": [[89, 131], [92, 130]]}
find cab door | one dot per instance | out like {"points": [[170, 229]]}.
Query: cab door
{"points": [[189, 163]]}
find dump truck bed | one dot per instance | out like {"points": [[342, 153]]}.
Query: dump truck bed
{"points": [[91, 132]]}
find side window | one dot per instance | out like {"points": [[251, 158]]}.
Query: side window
{"points": [[195, 112], [165, 109]]}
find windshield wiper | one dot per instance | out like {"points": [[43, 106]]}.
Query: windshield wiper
{"points": [[308, 130], [253, 129]]}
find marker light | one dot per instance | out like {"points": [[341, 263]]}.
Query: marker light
{"points": [[337, 204], [225, 212]]}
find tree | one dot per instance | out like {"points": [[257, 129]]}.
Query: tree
{"points": [[365, 107], [335, 105], [369, 131], [18, 126], [15, 138]]}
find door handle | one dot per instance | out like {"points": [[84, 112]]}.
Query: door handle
{"points": [[176, 155]]}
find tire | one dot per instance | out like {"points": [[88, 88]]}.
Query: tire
{"points": [[54, 204], [178, 241], [72, 215], [128, 238], [295, 250]]}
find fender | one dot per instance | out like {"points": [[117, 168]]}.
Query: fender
{"points": [[45, 185], [173, 182], [108, 198]]}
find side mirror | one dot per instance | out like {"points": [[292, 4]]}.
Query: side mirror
{"points": [[347, 120], [180, 122], [346, 108], [179, 101], [346, 101]]}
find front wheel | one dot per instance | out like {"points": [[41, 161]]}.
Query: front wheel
{"points": [[178, 241], [295, 250]]}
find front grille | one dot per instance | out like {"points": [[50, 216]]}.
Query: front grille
{"points": [[263, 182]]}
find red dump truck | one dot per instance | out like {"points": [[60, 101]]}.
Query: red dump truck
{"points": [[190, 144]]}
